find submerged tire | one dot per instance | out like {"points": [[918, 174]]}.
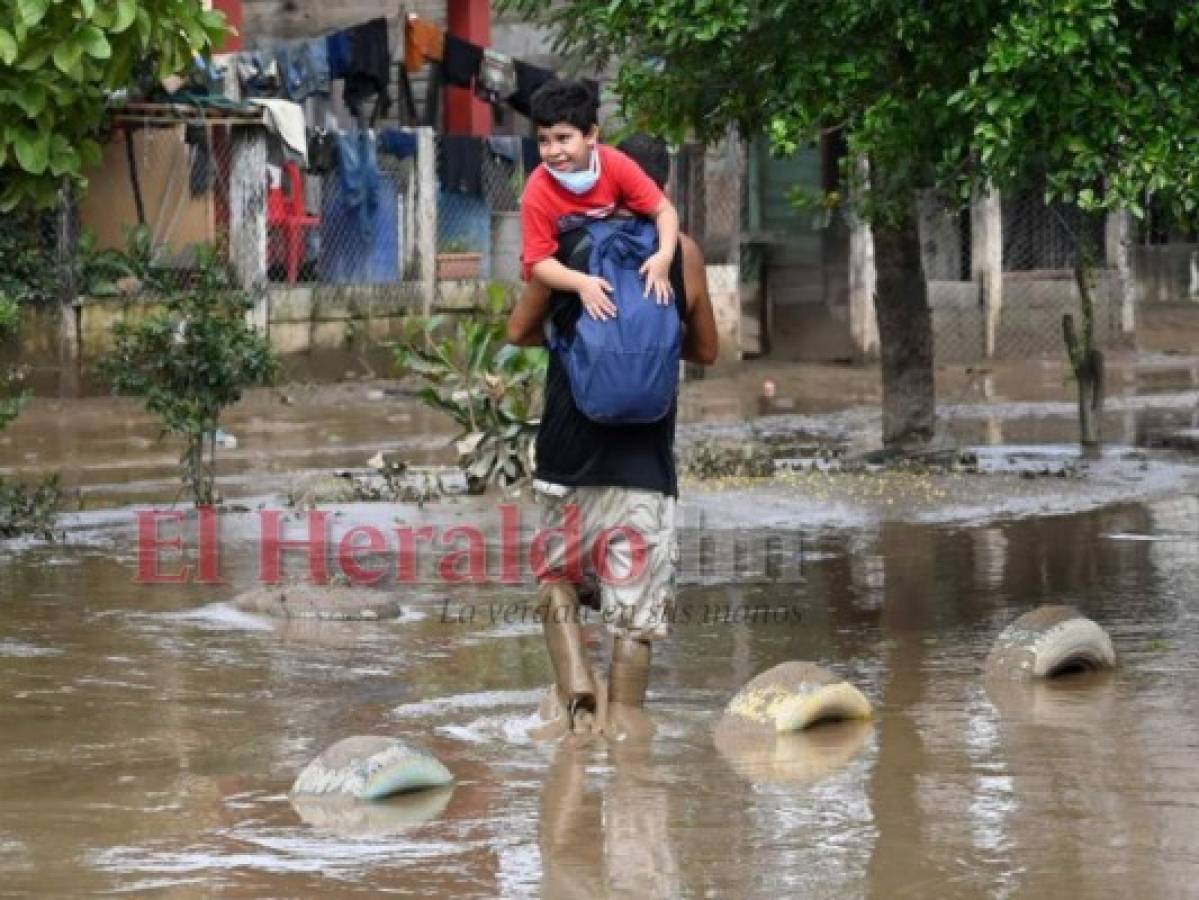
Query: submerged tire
{"points": [[793, 696], [366, 767], [1050, 641]]}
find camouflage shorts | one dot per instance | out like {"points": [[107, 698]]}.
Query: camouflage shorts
{"points": [[636, 562]]}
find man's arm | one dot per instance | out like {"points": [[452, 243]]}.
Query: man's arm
{"points": [[526, 322], [700, 344]]}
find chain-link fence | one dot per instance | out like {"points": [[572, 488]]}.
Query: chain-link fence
{"points": [[1002, 275], [1042, 246], [480, 182]]}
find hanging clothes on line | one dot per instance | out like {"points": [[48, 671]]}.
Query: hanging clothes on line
{"points": [[286, 119], [528, 79], [497, 77], [305, 68], [397, 143], [258, 73], [369, 68], [461, 62], [506, 145], [358, 177], [460, 164], [338, 50], [423, 41], [530, 154]]}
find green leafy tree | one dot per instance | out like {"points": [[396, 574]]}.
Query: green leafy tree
{"points": [[58, 61], [189, 362], [1096, 101]]}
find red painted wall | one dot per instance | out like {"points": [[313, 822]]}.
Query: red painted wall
{"points": [[464, 112]]}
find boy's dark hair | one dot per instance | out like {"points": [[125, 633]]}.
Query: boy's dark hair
{"points": [[650, 153], [564, 102]]}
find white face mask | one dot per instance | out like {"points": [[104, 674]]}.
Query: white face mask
{"points": [[582, 181]]}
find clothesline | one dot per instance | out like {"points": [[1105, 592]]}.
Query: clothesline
{"points": [[495, 77]]}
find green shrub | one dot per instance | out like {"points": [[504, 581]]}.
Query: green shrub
{"points": [[190, 362], [492, 390]]}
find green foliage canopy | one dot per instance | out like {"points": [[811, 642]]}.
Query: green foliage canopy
{"points": [[1098, 100], [58, 61]]}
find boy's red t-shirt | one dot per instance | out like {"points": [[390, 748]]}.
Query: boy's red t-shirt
{"points": [[622, 184]]}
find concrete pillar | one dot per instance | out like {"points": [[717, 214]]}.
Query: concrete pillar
{"points": [[1118, 238], [723, 288], [247, 208], [426, 217], [986, 254], [863, 279]]}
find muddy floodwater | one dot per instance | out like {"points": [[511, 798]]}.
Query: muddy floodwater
{"points": [[149, 733]]}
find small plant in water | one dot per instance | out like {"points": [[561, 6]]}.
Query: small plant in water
{"points": [[190, 362], [491, 389]]}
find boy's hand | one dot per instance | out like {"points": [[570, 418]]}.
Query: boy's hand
{"points": [[593, 291], [656, 272]]}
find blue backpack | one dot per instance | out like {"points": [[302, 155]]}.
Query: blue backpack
{"points": [[623, 371]]}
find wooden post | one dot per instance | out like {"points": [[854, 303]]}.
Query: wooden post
{"points": [[1086, 361], [863, 277], [247, 209], [986, 254], [426, 217], [1118, 238]]}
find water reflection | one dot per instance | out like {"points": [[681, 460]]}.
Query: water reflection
{"points": [[349, 818], [147, 738], [800, 758]]}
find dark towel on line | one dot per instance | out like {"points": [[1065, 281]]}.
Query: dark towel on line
{"points": [[460, 164], [530, 155], [461, 61], [528, 79], [370, 66]]}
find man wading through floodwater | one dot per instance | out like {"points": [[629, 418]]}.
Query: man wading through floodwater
{"points": [[615, 476]]}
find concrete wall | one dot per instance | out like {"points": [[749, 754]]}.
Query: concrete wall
{"points": [[1030, 322], [957, 322], [1167, 273], [299, 319]]}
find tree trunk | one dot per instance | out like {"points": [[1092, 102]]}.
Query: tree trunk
{"points": [[905, 336]]}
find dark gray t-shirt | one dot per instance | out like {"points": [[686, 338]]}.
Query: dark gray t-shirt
{"points": [[571, 448]]}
